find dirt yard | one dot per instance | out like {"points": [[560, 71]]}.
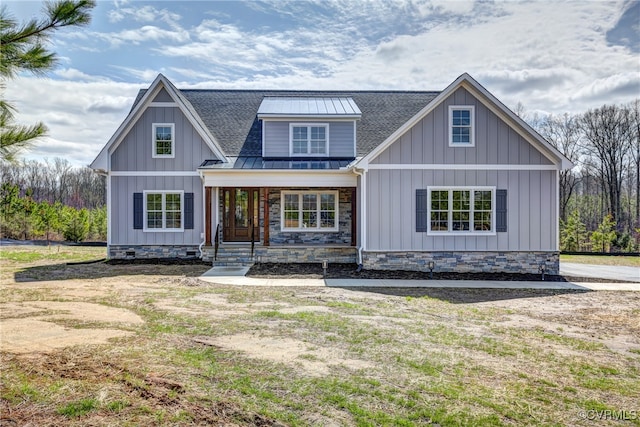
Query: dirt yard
{"points": [[102, 344]]}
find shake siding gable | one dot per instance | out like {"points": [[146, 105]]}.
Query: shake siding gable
{"points": [[163, 96], [134, 153]]}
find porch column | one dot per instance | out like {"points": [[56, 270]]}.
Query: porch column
{"points": [[207, 216], [266, 216]]}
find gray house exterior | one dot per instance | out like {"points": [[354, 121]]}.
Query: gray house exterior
{"points": [[386, 179]]}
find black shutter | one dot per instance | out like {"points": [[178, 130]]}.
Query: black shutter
{"points": [[188, 211], [138, 220], [501, 210], [422, 219]]}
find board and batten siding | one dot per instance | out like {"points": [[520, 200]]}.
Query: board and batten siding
{"points": [[531, 210], [121, 210], [341, 138], [428, 141], [134, 153]]}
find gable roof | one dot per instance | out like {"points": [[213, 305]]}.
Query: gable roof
{"points": [[228, 120], [231, 115], [144, 99], [493, 104]]}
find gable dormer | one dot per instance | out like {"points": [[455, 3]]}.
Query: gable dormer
{"points": [[303, 127]]}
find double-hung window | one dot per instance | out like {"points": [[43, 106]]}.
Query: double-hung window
{"points": [[461, 210], [461, 126], [163, 211], [163, 140], [309, 211], [309, 139]]}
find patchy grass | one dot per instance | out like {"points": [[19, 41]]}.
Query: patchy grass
{"points": [[626, 261], [77, 409], [48, 254], [369, 358]]}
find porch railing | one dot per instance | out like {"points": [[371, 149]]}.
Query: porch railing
{"points": [[253, 240], [216, 244]]}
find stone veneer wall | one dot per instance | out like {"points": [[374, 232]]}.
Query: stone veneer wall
{"points": [[464, 262], [278, 237], [293, 254], [155, 251]]}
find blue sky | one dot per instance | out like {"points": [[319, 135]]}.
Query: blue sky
{"points": [[553, 57]]}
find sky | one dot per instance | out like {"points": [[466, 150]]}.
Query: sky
{"points": [[553, 57]]}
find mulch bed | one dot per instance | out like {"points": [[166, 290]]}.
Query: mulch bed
{"points": [[349, 271]]}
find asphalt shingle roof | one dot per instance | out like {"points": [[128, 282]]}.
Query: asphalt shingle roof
{"points": [[231, 115]]}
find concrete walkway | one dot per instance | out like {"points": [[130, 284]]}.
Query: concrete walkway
{"points": [[235, 276], [602, 271]]}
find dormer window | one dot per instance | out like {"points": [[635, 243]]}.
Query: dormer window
{"points": [[163, 140], [461, 126], [308, 139]]}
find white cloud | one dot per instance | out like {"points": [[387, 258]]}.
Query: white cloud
{"points": [[551, 56], [81, 115]]}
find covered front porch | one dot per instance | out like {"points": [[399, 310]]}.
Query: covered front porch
{"points": [[258, 210], [244, 225]]}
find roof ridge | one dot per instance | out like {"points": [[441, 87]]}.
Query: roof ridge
{"points": [[304, 91]]}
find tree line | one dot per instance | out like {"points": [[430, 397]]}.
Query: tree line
{"points": [[600, 196], [52, 200]]}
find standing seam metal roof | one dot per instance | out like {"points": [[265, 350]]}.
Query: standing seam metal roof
{"points": [[231, 115]]}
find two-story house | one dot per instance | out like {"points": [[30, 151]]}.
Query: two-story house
{"points": [[385, 179]]}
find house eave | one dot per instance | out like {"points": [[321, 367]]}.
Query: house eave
{"points": [[315, 117]]}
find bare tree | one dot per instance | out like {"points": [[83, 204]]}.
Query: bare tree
{"points": [[635, 152], [564, 133], [607, 132]]}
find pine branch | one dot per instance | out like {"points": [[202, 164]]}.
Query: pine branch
{"points": [[22, 48], [15, 138]]}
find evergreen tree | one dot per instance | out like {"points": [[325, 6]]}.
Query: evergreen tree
{"points": [[573, 233], [605, 235], [22, 48]]}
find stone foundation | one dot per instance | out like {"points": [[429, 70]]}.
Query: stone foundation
{"points": [[294, 254], [153, 251], [241, 255], [464, 262]]}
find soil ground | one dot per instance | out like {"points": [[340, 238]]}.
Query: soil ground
{"points": [[152, 344]]}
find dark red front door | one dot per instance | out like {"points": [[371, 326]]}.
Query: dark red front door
{"points": [[241, 214]]}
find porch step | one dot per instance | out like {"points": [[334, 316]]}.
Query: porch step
{"points": [[233, 256]]}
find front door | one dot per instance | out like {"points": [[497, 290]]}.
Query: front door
{"points": [[241, 214]]}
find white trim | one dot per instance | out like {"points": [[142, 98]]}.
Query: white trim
{"points": [[154, 173], [317, 229], [164, 218], [109, 205], [154, 147], [557, 199], [472, 126], [290, 117], [218, 214], [463, 167], [308, 126], [269, 178], [163, 104], [450, 190], [263, 137], [355, 139]]}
